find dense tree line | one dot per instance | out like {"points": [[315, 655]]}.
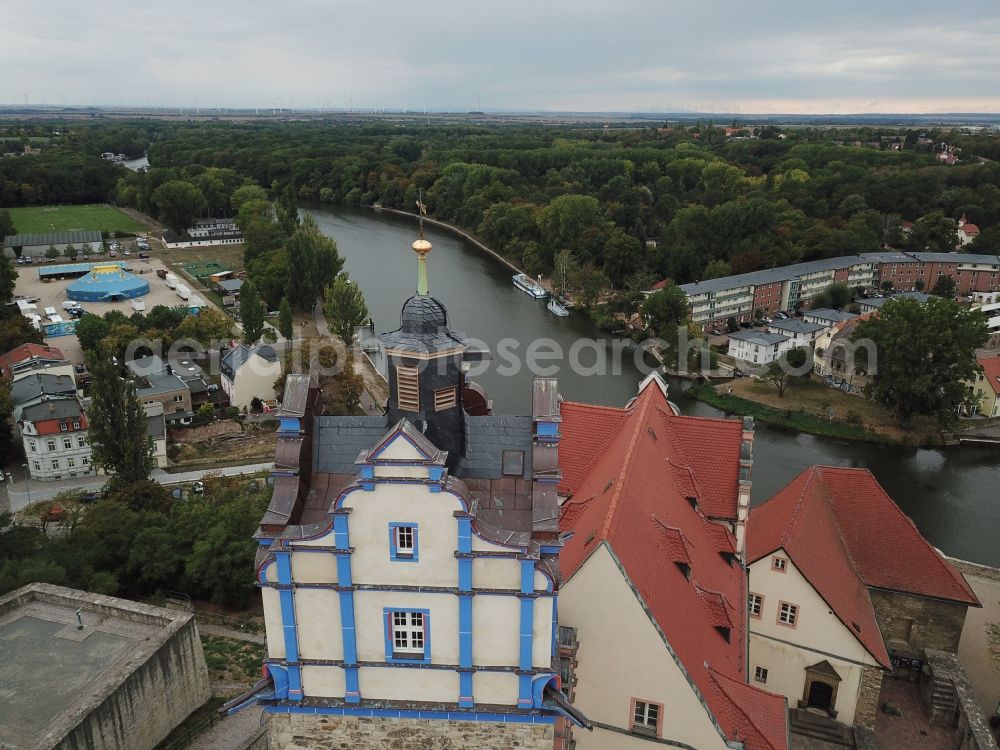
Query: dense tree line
{"points": [[137, 540], [713, 205]]}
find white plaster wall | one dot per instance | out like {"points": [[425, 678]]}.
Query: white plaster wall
{"points": [[818, 635], [407, 683], [314, 567], [495, 687], [437, 534], [497, 573], [496, 624], [272, 623], [256, 378], [622, 656], [786, 674], [401, 449], [323, 682], [816, 627], [541, 657], [317, 615], [370, 630]]}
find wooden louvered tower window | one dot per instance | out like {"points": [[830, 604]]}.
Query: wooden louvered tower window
{"points": [[408, 388]]}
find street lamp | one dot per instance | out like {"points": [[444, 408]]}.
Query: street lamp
{"points": [[27, 483]]}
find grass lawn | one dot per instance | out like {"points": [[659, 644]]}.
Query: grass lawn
{"points": [[806, 407], [100, 218]]}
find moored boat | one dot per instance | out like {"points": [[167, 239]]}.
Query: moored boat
{"points": [[530, 287], [557, 309]]}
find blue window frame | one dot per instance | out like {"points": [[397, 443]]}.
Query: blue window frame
{"points": [[407, 635], [404, 545]]}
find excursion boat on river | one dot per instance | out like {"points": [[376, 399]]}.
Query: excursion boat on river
{"points": [[530, 287], [557, 309]]}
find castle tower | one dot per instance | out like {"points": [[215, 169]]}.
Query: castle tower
{"points": [[425, 366]]}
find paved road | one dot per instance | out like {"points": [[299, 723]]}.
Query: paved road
{"points": [[17, 493]]}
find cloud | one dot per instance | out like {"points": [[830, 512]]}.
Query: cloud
{"points": [[647, 55]]}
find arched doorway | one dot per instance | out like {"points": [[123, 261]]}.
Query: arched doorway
{"points": [[820, 693]]}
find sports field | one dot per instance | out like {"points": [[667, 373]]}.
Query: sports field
{"points": [[100, 218]]}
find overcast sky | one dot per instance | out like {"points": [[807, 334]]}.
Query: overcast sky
{"points": [[763, 56]]}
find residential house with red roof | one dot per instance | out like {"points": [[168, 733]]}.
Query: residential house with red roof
{"points": [[967, 232], [29, 359], [986, 386], [653, 527], [843, 590]]}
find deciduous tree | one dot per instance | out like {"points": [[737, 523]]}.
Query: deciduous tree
{"points": [[925, 356], [178, 203], [344, 307], [251, 313]]}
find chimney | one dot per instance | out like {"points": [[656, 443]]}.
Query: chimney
{"points": [[743, 497]]}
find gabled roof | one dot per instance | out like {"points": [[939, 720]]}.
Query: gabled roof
{"points": [[844, 534], [26, 352], [761, 338], [631, 492], [991, 371], [757, 717], [795, 326]]}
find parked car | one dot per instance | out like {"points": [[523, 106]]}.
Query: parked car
{"points": [[90, 497]]}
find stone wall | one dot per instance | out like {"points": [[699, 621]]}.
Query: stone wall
{"points": [[317, 732], [155, 697], [868, 693], [936, 624]]}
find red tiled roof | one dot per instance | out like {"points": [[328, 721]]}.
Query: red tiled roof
{"points": [[844, 533], [991, 371], [755, 716], [25, 352], [970, 229], [660, 285], [631, 492]]}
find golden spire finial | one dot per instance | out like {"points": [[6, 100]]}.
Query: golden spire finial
{"points": [[421, 247]]}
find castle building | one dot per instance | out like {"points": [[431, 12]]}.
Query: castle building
{"points": [[409, 562]]}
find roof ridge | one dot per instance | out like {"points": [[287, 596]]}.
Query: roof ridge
{"points": [[714, 674], [594, 407], [613, 504]]}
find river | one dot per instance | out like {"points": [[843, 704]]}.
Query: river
{"points": [[953, 495]]}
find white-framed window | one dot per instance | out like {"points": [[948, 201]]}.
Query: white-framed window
{"points": [[646, 717], [779, 564], [760, 674], [81, 442], [76, 424], [408, 633], [50, 445], [788, 614], [756, 605], [63, 426], [32, 447], [405, 540], [67, 443], [71, 462], [36, 465], [85, 461], [178, 398], [55, 463]]}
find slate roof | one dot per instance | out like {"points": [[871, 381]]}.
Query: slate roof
{"points": [[162, 382], [633, 497], [231, 285], [52, 238], [61, 408], [41, 384], [825, 313], [956, 258], [763, 338], [844, 533], [338, 441], [795, 325], [423, 327], [486, 438], [877, 302], [236, 358]]}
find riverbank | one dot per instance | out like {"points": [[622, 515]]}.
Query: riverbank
{"points": [[455, 230], [813, 408]]}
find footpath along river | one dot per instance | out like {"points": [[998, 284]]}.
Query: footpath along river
{"points": [[953, 495]]}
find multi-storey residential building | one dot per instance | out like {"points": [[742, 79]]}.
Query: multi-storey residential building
{"points": [[40, 387], [54, 434], [800, 332], [986, 387], [742, 296], [248, 373], [758, 347]]}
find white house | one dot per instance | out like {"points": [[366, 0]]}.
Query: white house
{"points": [[841, 584], [248, 373], [758, 347], [826, 316], [54, 434], [800, 332]]}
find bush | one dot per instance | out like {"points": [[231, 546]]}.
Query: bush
{"points": [[853, 417]]}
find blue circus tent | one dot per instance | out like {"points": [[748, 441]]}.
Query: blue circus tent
{"points": [[107, 284]]}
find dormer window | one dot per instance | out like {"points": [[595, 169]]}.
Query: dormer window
{"points": [[513, 463], [685, 569]]}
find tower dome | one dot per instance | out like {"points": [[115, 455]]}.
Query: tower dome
{"points": [[422, 314]]}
